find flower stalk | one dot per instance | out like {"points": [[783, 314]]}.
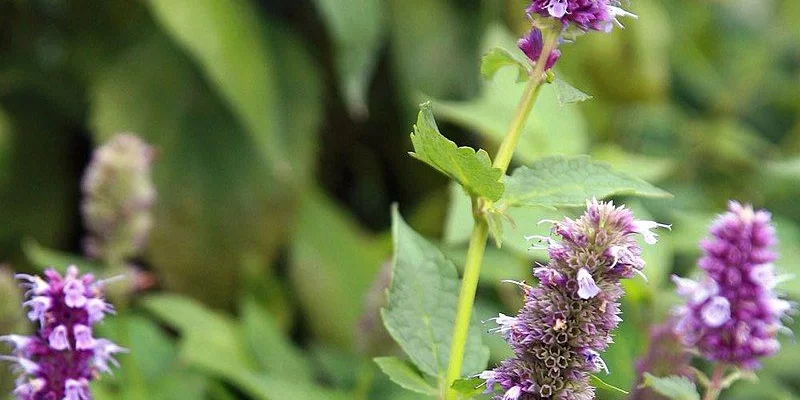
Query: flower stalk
{"points": [[480, 231]]}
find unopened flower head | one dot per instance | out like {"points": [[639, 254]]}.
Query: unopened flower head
{"points": [[118, 194], [532, 45], [567, 319], [732, 315], [63, 357]]}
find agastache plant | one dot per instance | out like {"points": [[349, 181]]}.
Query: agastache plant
{"points": [[570, 313], [566, 322], [59, 361], [732, 315]]}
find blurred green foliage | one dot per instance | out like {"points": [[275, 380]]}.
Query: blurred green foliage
{"points": [[282, 137]]}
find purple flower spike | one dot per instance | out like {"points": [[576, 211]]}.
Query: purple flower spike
{"points": [[567, 319], [733, 315], [63, 357]]}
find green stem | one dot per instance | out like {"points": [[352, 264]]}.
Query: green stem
{"points": [[716, 383], [480, 231]]}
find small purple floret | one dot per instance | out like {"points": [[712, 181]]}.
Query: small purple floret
{"points": [[733, 314], [567, 319], [63, 357]]}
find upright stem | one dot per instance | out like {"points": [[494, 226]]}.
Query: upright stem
{"points": [[480, 231], [715, 385]]}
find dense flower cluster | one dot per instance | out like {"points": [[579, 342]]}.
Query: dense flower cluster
{"points": [[118, 195], [597, 15], [567, 319], [63, 357], [733, 314], [574, 16]]}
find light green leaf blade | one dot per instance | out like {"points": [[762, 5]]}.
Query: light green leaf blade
{"points": [[490, 113], [211, 342], [275, 355], [473, 170], [568, 181], [357, 28], [469, 388], [402, 374], [602, 384], [568, 94], [43, 258], [421, 307], [498, 57], [674, 387]]}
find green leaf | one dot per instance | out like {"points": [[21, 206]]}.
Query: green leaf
{"points": [[674, 387], [568, 181], [498, 57], [357, 29], [228, 39], [469, 388], [275, 355], [43, 258], [602, 384], [490, 113], [404, 375], [421, 307], [568, 94], [211, 342], [470, 169], [333, 264]]}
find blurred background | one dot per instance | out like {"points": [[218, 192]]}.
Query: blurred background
{"points": [[281, 138]]}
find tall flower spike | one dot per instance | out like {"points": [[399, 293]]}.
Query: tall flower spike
{"points": [[733, 314], [118, 195], [63, 357], [566, 321]]}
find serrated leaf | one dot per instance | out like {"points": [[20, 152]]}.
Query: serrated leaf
{"points": [[402, 374], [568, 94], [473, 170], [498, 57], [568, 181], [469, 388], [674, 387], [421, 307], [602, 384]]}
